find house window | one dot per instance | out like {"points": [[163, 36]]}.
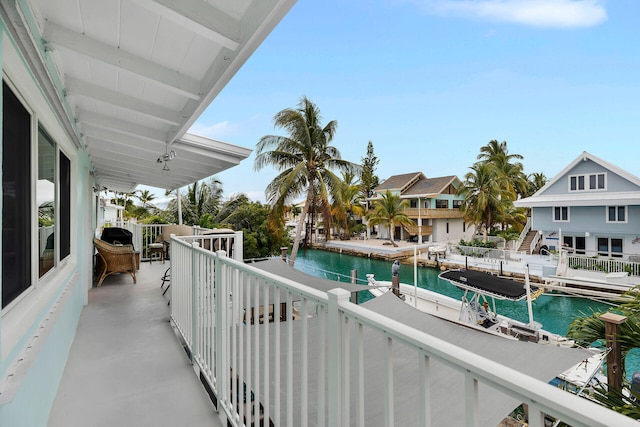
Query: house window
{"points": [[464, 226], [561, 214], [610, 247], [16, 197], [447, 228], [413, 203], [616, 214], [594, 181], [442, 204], [46, 200], [22, 153], [457, 204]]}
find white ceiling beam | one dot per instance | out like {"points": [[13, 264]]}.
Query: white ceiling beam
{"points": [[119, 99], [170, 79], [87, 118], [199, 17]]}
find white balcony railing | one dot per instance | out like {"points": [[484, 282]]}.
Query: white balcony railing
{"points": [[274, 349]]}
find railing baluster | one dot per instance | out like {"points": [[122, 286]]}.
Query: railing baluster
{"points": [[471, 399], [304, 401]]}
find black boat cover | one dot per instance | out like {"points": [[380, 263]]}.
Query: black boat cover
{"points": [[487, 283]]}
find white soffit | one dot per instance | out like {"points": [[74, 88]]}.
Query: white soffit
{"points": [[134, 75]]}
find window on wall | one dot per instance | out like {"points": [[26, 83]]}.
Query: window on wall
{"points": [[16, 197], [46, 200], [442, 204], [609, 246], [616, 214], [595, 181], [51, 203], [457, 204], [561, 214]]}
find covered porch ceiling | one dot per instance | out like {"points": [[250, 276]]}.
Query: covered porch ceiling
{"points": [[130, 77]]}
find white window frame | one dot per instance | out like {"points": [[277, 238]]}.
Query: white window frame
{"points": [[587, 182], [616, 221], [553, 214]]}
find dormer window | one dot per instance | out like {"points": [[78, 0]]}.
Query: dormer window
{"points": [[594, 181]]}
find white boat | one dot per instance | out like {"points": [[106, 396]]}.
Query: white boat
{"points": [[477, 310]]}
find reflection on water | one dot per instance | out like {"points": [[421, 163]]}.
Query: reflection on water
{"points": [[554, 312]]}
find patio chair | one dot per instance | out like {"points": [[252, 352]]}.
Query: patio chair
{"points": [[114, 259]]}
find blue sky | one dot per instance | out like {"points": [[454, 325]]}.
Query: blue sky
{"points": [[431, 81]]}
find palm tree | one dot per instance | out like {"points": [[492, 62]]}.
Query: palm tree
{"points": [[536, 181], [389, 211], [348, 202], [145, 196], [481, 191], [513, 180], [306, 160]]}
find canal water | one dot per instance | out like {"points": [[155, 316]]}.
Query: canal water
{"points": [[555, 312]]}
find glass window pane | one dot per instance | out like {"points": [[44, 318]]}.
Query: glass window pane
{"points": [[621, 215], [581, 183], [64, 218], [565, 214], [603, 246], [592, 182], [612, 213], [616, 247], [601, 180], [46, 191], [574, 185]]}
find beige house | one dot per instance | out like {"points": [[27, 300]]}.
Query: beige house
{"points": [[432, 204]]}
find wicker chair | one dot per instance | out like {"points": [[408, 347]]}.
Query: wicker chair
{"points": [[114, 259]]}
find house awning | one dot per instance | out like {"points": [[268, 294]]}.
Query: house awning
{"points": [[128, 79]]}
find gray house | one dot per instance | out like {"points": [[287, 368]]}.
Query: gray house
{"points": [[591, 206]]}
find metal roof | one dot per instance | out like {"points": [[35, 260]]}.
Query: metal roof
{"points": [[128, 78]]}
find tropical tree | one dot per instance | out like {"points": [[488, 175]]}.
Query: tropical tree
{"points": [[535, 181], [368, 178], [348, 202], [389, 211], [306, 161], [481, 191], [512, 178], [145, 197]]}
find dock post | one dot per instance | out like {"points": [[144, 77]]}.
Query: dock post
{"points": [[354, 280], [612, 323], [283, 251]]}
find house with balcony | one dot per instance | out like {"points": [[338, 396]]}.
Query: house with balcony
{"points": [[433, 205], [100, 94], [591, 207]]}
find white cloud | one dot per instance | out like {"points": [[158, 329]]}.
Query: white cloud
{"points": [[536, 13]]}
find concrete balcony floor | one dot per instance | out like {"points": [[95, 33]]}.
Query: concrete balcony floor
{"points": [[126, 366]]}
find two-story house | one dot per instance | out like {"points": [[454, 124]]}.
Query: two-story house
{"points": [[433, 205], [591, 206]]}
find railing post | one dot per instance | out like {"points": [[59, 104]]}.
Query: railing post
{"points": [[334, 352], [194, 302], [238, 249], [220, 290]]}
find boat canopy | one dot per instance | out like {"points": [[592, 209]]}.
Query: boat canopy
{"points": [[487, 284]]}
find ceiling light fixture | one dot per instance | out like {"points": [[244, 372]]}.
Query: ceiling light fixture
{"points": [[165, 158]]}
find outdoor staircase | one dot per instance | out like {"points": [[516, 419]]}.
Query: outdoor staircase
{"points": [[526, 243]]}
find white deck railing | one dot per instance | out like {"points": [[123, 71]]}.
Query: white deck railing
{"points": [[523, 234], [604, 265], [270, 346]]}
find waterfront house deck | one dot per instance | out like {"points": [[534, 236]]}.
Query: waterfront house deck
{"points": [[127, 367]]}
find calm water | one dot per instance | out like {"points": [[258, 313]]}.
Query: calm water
{"points": [[555, 313]]}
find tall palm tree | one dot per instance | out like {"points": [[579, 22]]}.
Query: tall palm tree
{"points": [[481, 191], [389, 211], [536, 181], [510, 173], [306, 160], [348, 202], [145, 196]]}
